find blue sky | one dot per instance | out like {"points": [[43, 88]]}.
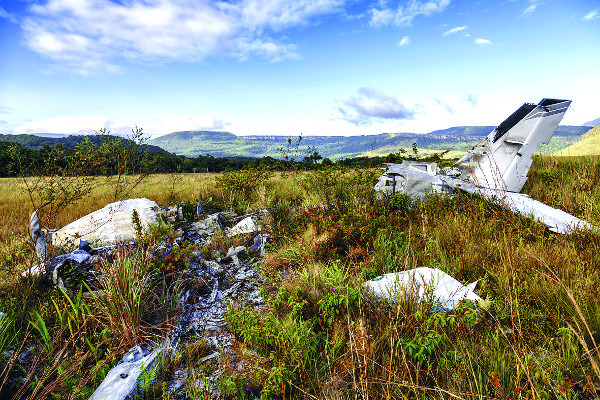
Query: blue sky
{"points": [[285, 67]]}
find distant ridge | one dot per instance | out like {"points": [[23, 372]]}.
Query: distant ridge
{"points": [[457, 140], [38, 141], [588, 145], [594, 122]]}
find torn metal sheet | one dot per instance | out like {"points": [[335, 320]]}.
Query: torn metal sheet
{"points": [[556, 220], [424, 283], [247, 225], [109, 225], [122, 382]]}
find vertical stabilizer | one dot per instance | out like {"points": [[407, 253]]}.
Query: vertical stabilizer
{"points": [[501, 161]]}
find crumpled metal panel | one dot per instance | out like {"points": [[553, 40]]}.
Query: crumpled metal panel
{"points": [[109, 225], [121, 382], [422, 283]]}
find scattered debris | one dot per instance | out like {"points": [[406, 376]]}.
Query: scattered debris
{"points": [[197, 232], [73, 269], [249, 224], [38, 235], [223, 279], [424, 283]]}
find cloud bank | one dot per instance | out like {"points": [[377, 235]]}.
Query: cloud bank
{"points": [[98, 35], [371, 106], [158, 125]]}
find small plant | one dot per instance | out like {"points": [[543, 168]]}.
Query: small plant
{"points": [[336, 302], [127, 285], [241, 186]]}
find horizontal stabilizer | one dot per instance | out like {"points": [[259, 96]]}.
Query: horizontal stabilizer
{"points": [[556, 220]]}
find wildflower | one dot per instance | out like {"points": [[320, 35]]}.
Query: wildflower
{"points": [[520, 390], [334, 289]]}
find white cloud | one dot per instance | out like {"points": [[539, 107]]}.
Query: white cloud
{"points": [[371, 105], [405, 41], [482, 42], [404, 15], [455, 30], [64, 124], [591, 15], [6, 110], [7, 16], [88, 35], [529, 10], [171, 122], [160, 124]]}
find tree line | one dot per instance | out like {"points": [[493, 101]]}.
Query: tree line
{"points": [[103, 154]]}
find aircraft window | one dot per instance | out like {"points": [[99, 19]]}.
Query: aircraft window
{"points": [[511, 121], [549, 102]]}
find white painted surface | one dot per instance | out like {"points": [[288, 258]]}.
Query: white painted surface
{"points": [[108, 225], [424, 282]]}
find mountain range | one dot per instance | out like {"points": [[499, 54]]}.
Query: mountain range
{"points": [[456, 140]]}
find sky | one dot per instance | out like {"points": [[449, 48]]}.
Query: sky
{"points": [[290, 67]]}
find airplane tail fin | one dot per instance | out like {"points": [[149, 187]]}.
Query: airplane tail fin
{"points": [[501, 161]]}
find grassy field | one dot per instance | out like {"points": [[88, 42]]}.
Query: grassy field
{"points": [[588, 145], [321, 335]]}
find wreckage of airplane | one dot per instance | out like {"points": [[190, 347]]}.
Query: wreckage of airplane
{"points": [[496, 168]]}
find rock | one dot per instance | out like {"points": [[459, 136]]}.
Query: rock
{"points": [[108, 225]]}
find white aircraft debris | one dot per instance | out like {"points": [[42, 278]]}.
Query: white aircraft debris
{"points": [[496, 168], [424, 283], [109, 225]]}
